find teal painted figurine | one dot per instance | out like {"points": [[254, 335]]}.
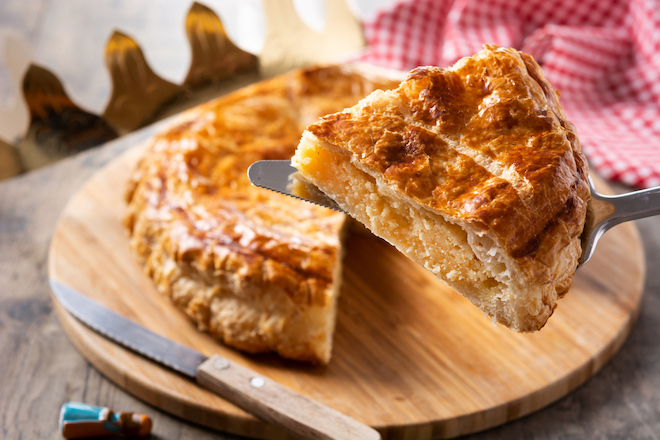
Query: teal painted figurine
{"points": [[79, 420]]}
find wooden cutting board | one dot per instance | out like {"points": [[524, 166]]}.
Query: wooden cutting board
{"points": [[411, 357]]}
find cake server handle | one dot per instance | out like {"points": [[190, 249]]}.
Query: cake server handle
{"points": [[605, 211]]}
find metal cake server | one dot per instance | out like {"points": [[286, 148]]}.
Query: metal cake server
{"points": [[256, 394], [603, 212], [277, 175]]}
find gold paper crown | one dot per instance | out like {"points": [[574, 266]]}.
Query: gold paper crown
{"points": [[59, 128]]}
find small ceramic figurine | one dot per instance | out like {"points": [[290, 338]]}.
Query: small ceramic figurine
{"points": [[79, 420]]}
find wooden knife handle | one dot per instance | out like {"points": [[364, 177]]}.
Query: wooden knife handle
{"points": [[278, 405]]}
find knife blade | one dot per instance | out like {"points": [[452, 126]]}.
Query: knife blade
{"points": [[247, 389], [279, 175]]}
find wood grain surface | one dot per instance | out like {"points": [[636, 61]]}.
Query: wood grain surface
{"points": [[411, 358]]}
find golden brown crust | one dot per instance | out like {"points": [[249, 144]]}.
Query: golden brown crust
{"points": [[486, 144], [252, 267]]}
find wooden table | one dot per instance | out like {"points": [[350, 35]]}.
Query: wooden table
{"points": [[40, 369]]}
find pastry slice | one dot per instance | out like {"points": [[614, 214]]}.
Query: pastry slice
{"points": [[472, 171], [258, 270]]}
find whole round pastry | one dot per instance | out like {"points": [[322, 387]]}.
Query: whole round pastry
{"points": [[256, 269]]}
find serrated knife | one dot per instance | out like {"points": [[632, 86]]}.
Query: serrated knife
{"points": [[258, 395]]}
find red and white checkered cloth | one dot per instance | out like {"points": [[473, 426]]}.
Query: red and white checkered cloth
{"points": [[603, 56]]}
